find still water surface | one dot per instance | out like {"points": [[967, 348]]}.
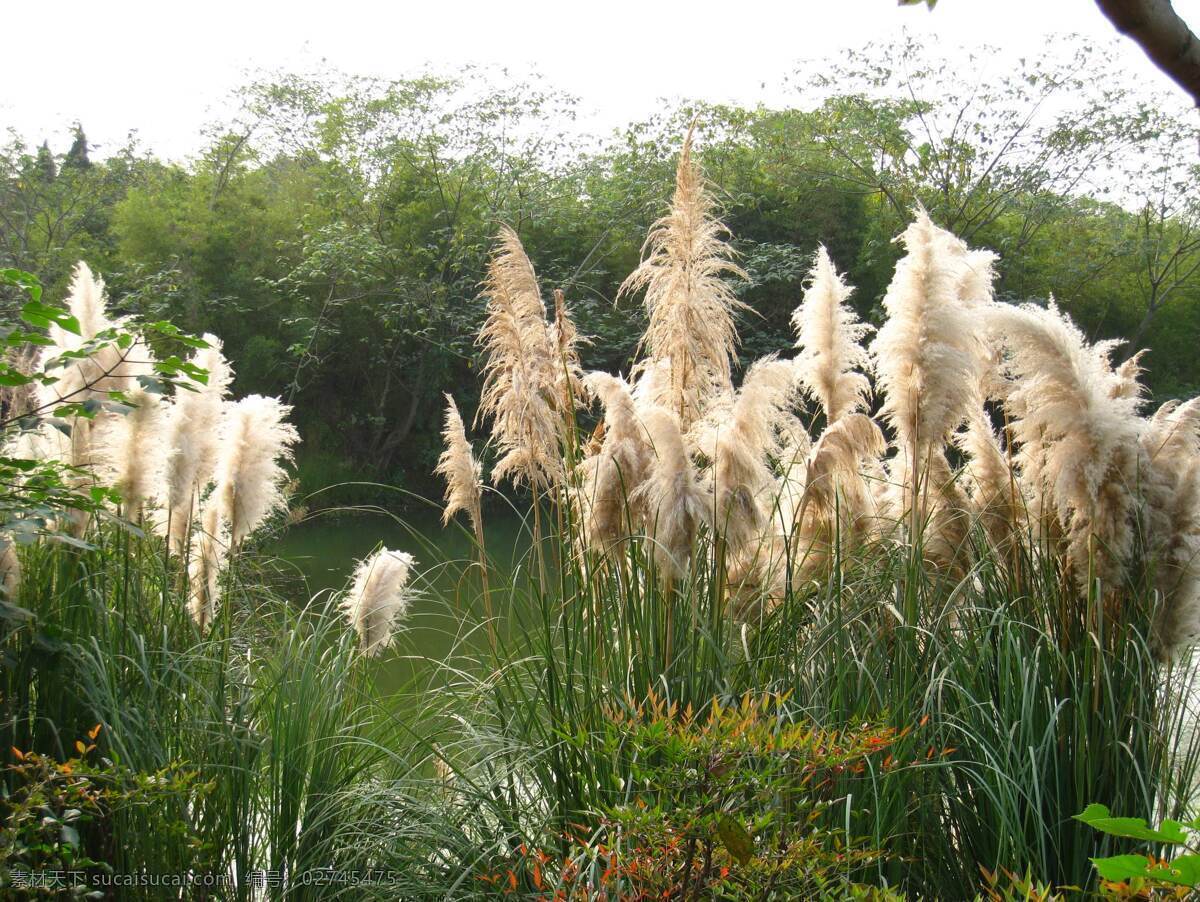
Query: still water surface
{"points": [[320, 555]]}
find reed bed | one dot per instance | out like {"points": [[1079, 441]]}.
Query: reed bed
{"points": [[962, 537]]}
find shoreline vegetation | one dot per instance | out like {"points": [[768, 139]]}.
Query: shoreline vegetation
{"points": [[878, 617]]}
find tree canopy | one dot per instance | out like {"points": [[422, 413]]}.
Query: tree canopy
{"points": [[336, 229]]}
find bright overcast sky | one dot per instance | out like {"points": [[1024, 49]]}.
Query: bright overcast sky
{"points": [[166, 68]]}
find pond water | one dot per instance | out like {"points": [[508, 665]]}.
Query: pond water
{"points": [[318, 557]]}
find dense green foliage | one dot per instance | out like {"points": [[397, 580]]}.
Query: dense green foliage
{"points": [[334, 230]]}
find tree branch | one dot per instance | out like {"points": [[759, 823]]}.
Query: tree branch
{"points": [[1164, 37]]}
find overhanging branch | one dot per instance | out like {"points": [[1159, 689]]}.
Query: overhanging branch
{"points": [[1164, 37]]}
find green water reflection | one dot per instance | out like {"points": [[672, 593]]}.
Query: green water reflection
{"points": [[319, 555]]}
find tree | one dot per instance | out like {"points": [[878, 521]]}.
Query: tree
{"points": [[1164, 233], [77, 157], [1154, 25], [47, 169], [51, 219]]}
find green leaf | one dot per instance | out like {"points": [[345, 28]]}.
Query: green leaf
{"points": [[1122, 867], [10, 376], [736, 839], [151, 385], [25, 280], [1099, 818], [42, 315], [1181, 871]]}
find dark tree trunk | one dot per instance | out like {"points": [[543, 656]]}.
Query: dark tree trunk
{"points": [[1164, 37]]}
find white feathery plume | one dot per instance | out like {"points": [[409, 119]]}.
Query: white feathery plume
{"points": [[794, 447], [689, 303], [1171, 443], [976, 277], [930, 359], [208, 556], [674, 503], [10, 568], [79, 380], [829, 336], [653, 382], [107, 369], [739, 437], [992, 487], [1127, 378], [837, 499], [129, 450], [519, 391], [458, 466], [192, 442], [928, 355], [1078, 444], [377, 598], [565, 340], [256, 441], [110, 367], [612, 474], [86, 302]]}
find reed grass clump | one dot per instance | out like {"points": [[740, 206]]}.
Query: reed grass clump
{"points": [[203, 470], [983, 545]]}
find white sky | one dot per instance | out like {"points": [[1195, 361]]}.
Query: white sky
{"points": [[166, 68]]}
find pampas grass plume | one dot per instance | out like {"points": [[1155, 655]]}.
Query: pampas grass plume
{"points": [[457, 465], [519, 390], [256, 441], [209, 553], [10, 568], [192, 433], [690, 305], [738, 437], [613, 473], [1078, 443], [675, 504], [377, 598], [829, 337], [929, 357], [130, 450]]}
